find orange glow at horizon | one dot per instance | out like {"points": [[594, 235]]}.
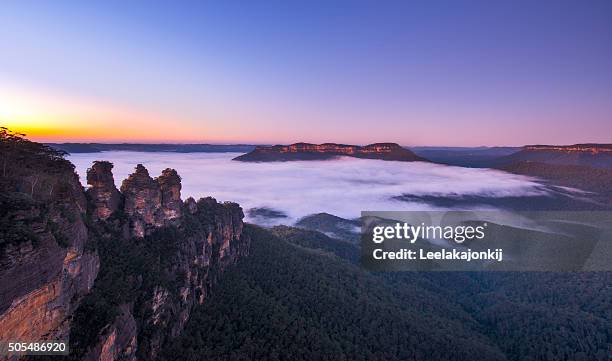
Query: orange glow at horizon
{"points": [[96, 133], [49, 116], [55, 118]]}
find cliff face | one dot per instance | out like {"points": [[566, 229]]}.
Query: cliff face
{"points": [[170, 187], [116, 273], [576, 148], [185, 245], [103, 194], [142, 201], [591, 155], [306, 151], [45, 266], [149, 202]]}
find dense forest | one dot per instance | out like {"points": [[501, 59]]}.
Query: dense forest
{"points": [[301, 296]]}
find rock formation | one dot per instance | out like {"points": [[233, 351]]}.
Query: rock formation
{"points": [[149, 202], [157, 255], [170, 187], [142, 201], [306, 151], [104, 195], [207, 239], [119, 341], [191, 205]]}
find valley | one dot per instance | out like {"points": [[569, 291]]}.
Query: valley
{"points": [[158, 276]]}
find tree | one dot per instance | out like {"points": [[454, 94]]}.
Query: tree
{"points": [[32, 163], [9, 145]]}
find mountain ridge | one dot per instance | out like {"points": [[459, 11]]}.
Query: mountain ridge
{"points": [[309, 151], [586, 154]]}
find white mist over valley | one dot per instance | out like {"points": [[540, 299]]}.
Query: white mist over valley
{"points": [[343, 187]]}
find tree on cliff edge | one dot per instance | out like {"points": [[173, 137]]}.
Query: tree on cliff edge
{"points": [[34, 163]]}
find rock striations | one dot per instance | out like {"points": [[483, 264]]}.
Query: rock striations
{"points": [[46, 267], [208, 237], [307, 151], [102, 192], [170, 187], [140, 256], [149, 202]]}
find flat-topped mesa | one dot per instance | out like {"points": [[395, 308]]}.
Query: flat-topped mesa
{"points": [[576, 148], [103, 194], [586, 154], [307, 151]]}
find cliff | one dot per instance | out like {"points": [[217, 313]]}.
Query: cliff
{"points": [[46, 266], [306, 151], [591, 155], [118, 273], [160, 257], [103, 194], [592, 148]]}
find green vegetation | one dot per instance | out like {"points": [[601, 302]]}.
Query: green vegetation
{"points": [[285, 302], [300, 296], [344, 229], [36, 188], [30, 167], [129, 270], [318, 241], [14, 227], [591, 179]]}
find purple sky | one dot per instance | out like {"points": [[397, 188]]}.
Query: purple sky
{"points": [[414, 72]]}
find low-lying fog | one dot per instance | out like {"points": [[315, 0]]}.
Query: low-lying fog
{"points": [[343, 187]]}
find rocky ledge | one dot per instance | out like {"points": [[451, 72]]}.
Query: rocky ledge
{"points": [[117, 273], [307, 151], [184, 245]]}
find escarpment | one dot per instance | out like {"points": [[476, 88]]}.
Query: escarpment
{"points": [[117, 273], [160, 258], [46, 266], [590, 155], [307, 151]]}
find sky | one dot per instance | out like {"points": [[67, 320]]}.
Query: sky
{"points": [[454, 73]]}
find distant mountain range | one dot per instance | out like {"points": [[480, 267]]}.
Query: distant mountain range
{"points": [[307, 151], [477, 157], [592, 155], [134, 147]]}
